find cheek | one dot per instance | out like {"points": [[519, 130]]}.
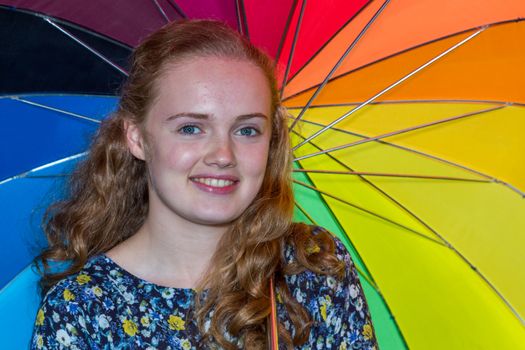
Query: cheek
{"points": [[256, 161], [175, 157]]}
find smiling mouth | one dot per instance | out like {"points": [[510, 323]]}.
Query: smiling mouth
{"points": [[219, 183]]}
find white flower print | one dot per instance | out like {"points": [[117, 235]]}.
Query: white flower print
{"points": [[167, 293], [63, 337], [103, 322], [354, 292], [359, 304], [331, 282]]}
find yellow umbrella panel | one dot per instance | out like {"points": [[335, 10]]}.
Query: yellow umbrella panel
{"points": [[419, 160], [446, 249]]}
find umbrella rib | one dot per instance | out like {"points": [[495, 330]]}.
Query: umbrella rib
{"points": [[399, 132], [86, 46], [305, 213], [408, 211], [335, 218], [338, 63], [161, 10], [368, 211], [417, 70], [177, 8], [242, 22], [415, 176], [16, 98], [292, 50], [364, 275], [389, 102], [26, 174], [491, 178], [326, 43], [372, 283], [446, 243], [370, 280], [285, 30], [402, 52], [46, 176]]}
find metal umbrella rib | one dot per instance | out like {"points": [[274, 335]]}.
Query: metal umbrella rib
{"points": [[294, 43], [337, 65], [349, 113], [394, 133], [446, 161], [86, 46]]}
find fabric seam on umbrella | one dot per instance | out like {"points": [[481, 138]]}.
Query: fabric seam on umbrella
{"points": [[86, 46], [177, 8], [406, 50], [399, 132], [493, 179], [35, 104], [285, 30], [415, 176], [338, 64], [349, 113], [161, 10], [507, 103], [41, 167], [292, 49]]}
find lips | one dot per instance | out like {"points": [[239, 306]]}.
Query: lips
{"points": [[221, 184]]}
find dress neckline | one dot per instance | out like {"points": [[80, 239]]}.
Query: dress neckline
{"points": [[138, 279]]}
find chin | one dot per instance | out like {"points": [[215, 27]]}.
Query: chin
{"points": [[219, 220]]}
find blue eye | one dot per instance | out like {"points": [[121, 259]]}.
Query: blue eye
{"points": [[190, 130], [248, 131]]}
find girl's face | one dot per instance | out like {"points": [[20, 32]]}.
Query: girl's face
{"points": [[207, 139]]}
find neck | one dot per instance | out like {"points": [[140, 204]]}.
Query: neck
{"points": [[173, 253]]}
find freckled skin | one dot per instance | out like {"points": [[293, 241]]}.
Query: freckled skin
{"points": [[217, 143]]}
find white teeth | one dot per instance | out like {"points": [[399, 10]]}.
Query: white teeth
{"points": [[213, 182]]}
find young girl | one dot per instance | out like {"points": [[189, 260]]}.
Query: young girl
{"points": [[178, 230]]}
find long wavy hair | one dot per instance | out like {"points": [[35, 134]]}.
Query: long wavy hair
{"points": [[108, 202]]}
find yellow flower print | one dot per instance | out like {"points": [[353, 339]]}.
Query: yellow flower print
{"points": [[367, 331], [39, 342], [323, 311], [83, 278], [176, 323], [186, 345], [279, 298], [68, 295], [342, 346], [312, 248], [324, 304], [40, 317], [130, 328], [145, 321]]}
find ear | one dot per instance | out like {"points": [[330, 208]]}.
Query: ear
{"points": [[134, 140]]}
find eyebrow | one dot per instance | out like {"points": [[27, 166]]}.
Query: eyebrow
{"points": [[207, 116]]}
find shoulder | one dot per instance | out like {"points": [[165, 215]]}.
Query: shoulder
{"points": [[316, 239], [309, 285], [68, 309], [90, 283], [336, 304]]}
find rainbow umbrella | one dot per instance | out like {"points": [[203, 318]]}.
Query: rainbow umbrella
{"points": [[406, 138]]}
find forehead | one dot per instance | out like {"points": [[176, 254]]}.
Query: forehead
{"points": [[211, 85]]}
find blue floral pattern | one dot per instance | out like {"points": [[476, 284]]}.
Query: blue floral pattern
{"points": [[105, 307]]}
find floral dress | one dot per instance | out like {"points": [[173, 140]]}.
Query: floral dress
{"points": [[105, 307]]}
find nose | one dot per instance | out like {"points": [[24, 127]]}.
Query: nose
{"points": [[220, 153]]}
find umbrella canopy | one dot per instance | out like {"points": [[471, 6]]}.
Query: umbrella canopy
{"points": [[407, 138]]}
